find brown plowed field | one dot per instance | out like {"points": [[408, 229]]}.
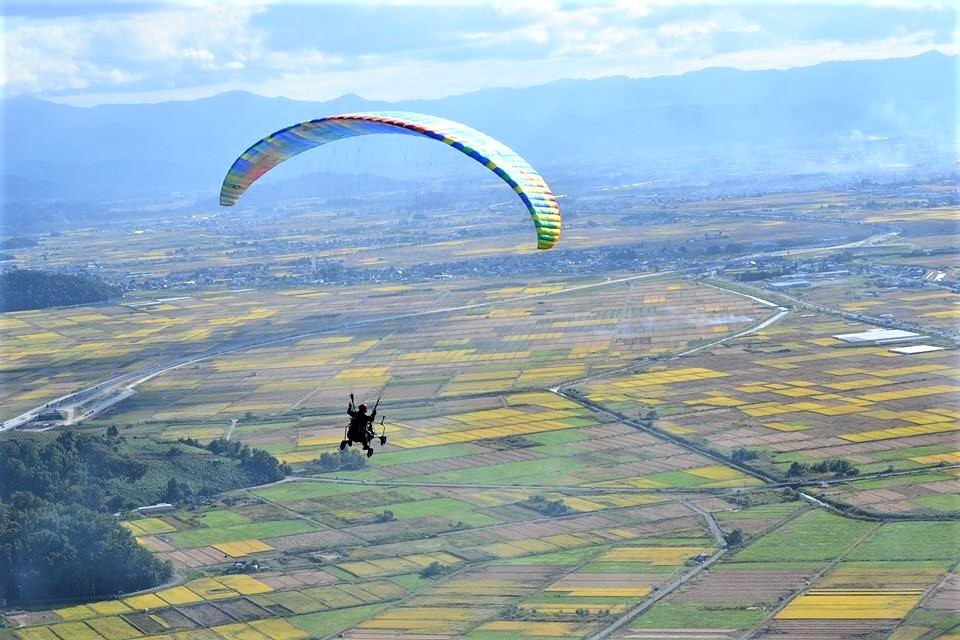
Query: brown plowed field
{"points": [[318, 539], [144, 622], [462, 462], [243, 610], [826, 629], [947, 595], [734, 587], [205, 614], [296, 579], [176, 619]]}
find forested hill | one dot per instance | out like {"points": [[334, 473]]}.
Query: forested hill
{"points": [[57, 537], [23, 289]]}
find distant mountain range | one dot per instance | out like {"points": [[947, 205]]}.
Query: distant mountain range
{"points": [[837, 114]]}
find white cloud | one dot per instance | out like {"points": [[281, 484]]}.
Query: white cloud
{"points": [[199, 48], [705, 27], [75, 53], [38, 58]]}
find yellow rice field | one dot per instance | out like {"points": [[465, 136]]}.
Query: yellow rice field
{"points": [[851, 604], [242, 547], [653, 555]]}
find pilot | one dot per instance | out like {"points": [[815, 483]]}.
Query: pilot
{"points": [[361, 425]]}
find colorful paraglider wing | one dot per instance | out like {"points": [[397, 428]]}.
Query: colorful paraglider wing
{"points": [[529, 186]]}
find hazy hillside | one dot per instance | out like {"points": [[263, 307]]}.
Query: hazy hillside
{"points": [[874, 113]]}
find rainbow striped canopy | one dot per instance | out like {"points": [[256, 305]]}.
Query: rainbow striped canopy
{"points": [[531, 188]]}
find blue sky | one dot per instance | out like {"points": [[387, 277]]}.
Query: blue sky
{"points": [[126, 51]]}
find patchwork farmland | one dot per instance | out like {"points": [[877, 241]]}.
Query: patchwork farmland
{"points": [[550, 460]]}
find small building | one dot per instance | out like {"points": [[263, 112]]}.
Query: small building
{"points": [[790, 284], [915, 348], [160, 507], [878, 336]]}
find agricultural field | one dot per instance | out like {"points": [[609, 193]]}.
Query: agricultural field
{"points": [[794, 394], [517, 337], [359, 549], [553, 444], [498, 337], [928, 309], [869, 579], [74, 347], [299, 235]]}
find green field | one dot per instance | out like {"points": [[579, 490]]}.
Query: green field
{"points": [[221, 518], [232, 533], [816, 535], [290, 491], [440, 507], [695, 616], [422, 455], [912, 541], [327, 622]]}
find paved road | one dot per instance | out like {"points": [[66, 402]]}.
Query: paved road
{"points": [[866, 242], [859, 317]]}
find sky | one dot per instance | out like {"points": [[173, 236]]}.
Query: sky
{"points": [[87, 53]]}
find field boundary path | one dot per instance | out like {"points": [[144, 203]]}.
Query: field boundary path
{"points": [[677, 582], [790, 484], [761, 628]]}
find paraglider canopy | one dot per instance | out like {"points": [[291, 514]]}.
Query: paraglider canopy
{"points": [[529, 186]]}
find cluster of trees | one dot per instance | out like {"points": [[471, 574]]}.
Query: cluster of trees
{"points": [[263, 466], [346, 460], [743, 455], [259, 466], [647, 418], [734, 538], [585, 613], [23, 289], [515, 442], [71, 469], [57, 539], [839, 468], [433, 570], [550, 508], [751, 276]]}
